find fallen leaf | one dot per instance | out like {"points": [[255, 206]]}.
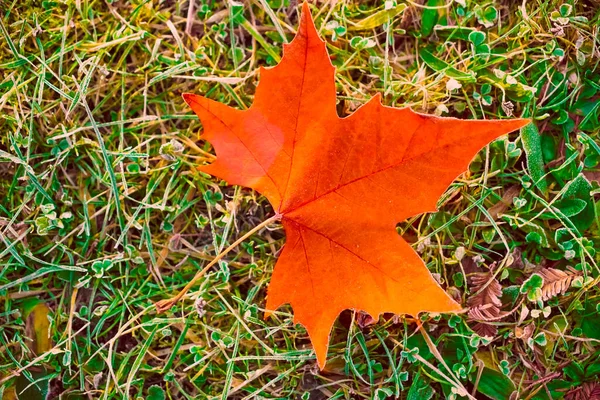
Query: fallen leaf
{"points": [[340, 186], [557, 281], [586, 391], [485, 303], [37, 327], [485, 330], [525, 333], [505, 202]]}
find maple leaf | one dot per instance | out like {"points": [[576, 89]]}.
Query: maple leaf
{"points": [[340, 186]]}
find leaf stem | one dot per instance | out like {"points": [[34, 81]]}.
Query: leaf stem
{"points": [[164, 305]]}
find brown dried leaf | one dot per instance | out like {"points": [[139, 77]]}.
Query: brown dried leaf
{"points": [[505, 201], [557, 281], [485, 330], [455, 293], [592, 175], [485, 304], [364, 320], [587, 391], [525, 333], [486, 312]]}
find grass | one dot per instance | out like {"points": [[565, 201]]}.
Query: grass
{"points": [[103, 213]]}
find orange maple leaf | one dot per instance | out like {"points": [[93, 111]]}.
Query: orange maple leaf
{"points": [[340, 186]]}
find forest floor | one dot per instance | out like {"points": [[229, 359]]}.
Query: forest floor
{"points": [[103, 212]]}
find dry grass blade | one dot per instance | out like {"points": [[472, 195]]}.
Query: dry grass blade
{"points": [[557, 281]]}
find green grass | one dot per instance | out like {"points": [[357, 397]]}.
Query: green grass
{"points": [[102, 212]]}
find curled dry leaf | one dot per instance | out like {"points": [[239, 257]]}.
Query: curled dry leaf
{"points": [[364, 320], [557, 281], [505, 202], [455, 293], [525, 333], [340, 186]]}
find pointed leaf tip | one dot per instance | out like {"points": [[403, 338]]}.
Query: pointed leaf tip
{"points": [[189, 98], [307, 23], [517, 122], [305, 7]]}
